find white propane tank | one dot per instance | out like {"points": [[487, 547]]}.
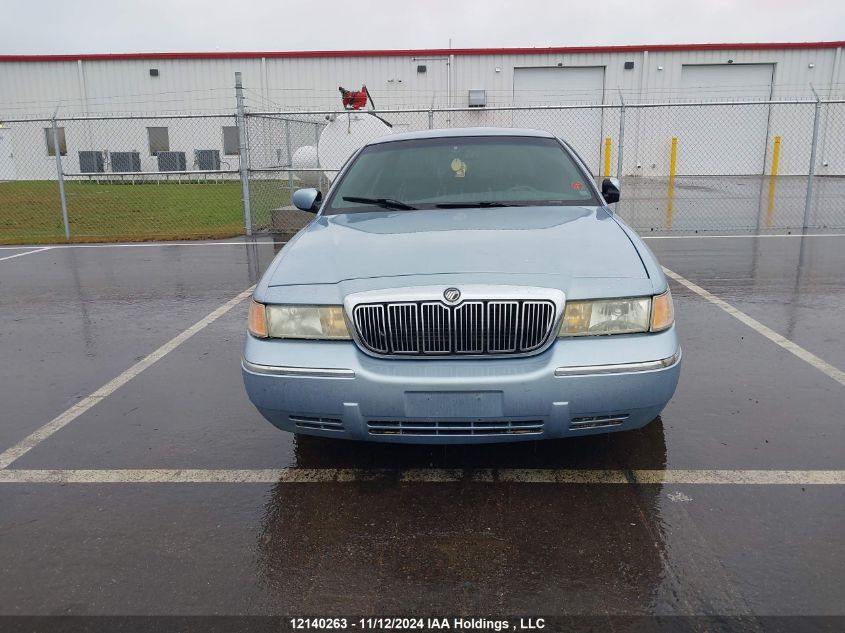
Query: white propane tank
{"points": [[345, 135], [306, 158]]}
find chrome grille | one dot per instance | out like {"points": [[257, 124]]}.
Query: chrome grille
{"points": [[403, 328], [502, 332], [369, 321], [436, 328], [469, 328], [431, 328], [455, 427], [535, 314], [598, 421], [317, 424]]}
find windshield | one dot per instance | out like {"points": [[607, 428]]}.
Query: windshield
{"points": [[468, 171]]}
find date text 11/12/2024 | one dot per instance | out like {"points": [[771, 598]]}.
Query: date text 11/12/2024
{"points": [[410, 624]]}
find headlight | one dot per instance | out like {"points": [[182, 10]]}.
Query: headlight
{"points": [[606, 316], [618, 316], [297, 321]]}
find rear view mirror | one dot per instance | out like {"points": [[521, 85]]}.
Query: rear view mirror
{"points": [[610, 190], [307, 200]]}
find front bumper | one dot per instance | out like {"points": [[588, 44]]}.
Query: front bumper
{"points": [[578, 386]]}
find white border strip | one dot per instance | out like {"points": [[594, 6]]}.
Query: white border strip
{"points": [[137, 244], [793, 348], [764, 235], [262, 242], [56, 424], [37, 250], [426, 475]]}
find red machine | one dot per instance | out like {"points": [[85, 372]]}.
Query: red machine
{"points": [[355, 99]]}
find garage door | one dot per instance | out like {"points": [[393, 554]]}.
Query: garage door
{"points": [[723, 139], [582, 128]]}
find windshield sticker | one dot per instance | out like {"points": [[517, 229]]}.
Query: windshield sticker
{"points": [[459, 167], [577, 185]]}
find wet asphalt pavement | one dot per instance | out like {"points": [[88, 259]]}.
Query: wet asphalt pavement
{"points": [[71, 319]]}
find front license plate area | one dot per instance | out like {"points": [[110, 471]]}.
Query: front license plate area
{"points": [[454, 404]]}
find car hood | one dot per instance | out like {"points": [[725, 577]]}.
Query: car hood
{"points": [[571, 241]]}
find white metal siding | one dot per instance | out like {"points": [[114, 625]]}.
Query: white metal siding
{"points": [[7, 156], [29, 89]]}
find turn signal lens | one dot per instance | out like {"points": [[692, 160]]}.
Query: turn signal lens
{"points": [[662, 312], [257, 321]]}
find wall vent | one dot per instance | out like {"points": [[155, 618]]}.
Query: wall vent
{"points": [[125, 161], [477, 98], [207, 159], [91, 162], [171, 161]]}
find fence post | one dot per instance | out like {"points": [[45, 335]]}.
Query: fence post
{"points": [[621, 138], [243, 158], [289, 161], [811, 172], [430, 118], [287, 143], [670, 194], [773, 175], [61, 176]]}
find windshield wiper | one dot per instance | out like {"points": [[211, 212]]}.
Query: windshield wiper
{"points": [[386, 203], [483, 204]]}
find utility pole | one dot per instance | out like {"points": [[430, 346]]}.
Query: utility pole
{"points": [[60, 173]]}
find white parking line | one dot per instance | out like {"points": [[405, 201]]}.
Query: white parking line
{"points": [[37, 250], [793, 348], [427, 475], [31, 441]]}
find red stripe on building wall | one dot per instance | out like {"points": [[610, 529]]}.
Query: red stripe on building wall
{"points": [[424, 52]]}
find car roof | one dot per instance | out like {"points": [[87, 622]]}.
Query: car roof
{"points": [[462, 131]]}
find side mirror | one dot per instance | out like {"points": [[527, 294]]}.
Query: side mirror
{"points": [[307, 200], [610, 189]]}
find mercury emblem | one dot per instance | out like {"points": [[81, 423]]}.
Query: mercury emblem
{"points": [[452, 295]]}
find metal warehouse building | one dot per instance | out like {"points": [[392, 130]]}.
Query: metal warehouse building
{"points": [[482, 81]]}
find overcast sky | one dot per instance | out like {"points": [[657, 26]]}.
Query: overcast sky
{"points": [[85, 26]]}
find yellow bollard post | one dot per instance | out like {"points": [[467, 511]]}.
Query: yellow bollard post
{"points": [[673, 161], [770, 211], [607, 151]]}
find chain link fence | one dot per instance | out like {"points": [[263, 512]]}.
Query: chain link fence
{"points": [[123, 178], [686, 167]]}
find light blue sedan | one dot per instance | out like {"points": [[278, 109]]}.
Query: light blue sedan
{"points": [[462, 286]]}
